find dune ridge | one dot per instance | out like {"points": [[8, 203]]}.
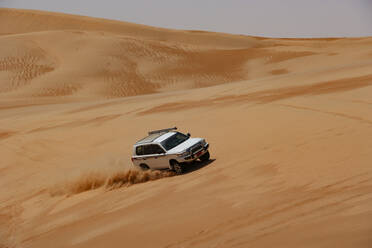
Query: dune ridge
{"points": [[15, 21], [81, 57]]}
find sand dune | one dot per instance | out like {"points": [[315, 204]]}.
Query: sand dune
{"points": [[289, 122], [25, 21]]}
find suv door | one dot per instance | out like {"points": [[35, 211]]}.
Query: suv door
{"points": [[153, 156], [159, 157]]}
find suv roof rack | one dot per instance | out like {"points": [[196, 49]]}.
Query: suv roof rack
{"points": [[153, 135], [166, 130]]}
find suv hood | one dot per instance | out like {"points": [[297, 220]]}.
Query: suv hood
{"points": [[185, 145]]}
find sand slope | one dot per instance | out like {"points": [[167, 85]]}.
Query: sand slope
{"points": [[289, 122]]}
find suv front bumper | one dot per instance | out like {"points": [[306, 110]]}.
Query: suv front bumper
{"points": [[196, 154]]}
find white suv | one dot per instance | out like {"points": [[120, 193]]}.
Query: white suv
{"points": [[168, 149]]}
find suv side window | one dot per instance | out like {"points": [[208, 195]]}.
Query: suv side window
{"points": [[140, 150], [147, 149], [157, 149], [151, 149]]}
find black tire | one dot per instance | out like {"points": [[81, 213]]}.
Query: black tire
{"points": [[144, 167], [205, 157], [177, 167]]}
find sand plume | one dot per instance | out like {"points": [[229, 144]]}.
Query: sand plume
{"points": [[95, 180]]}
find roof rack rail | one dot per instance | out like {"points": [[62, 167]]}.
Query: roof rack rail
{"points": [[163, 130]]}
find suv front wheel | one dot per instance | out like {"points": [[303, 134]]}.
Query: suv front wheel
{"points": [[205, 157], [176, 166]]}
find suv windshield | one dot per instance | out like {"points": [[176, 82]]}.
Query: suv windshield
{"points": [[174, 141]]}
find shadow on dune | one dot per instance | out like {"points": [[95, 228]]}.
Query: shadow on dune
{"points": [[197, 165]]}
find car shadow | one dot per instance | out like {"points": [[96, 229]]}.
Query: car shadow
{"points": [[196, 165]]}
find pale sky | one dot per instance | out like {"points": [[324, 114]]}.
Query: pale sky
{"points": [[270, 18]]}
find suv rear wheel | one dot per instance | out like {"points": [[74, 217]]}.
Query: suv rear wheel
{"points": [[144, 166], [177, 167]]}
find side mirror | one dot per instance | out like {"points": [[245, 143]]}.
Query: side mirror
{"points": [[188, 134]]}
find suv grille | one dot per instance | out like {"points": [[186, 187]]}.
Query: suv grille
{"points": [[196, 148]]}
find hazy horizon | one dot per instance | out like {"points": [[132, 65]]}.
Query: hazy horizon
{"points": [[270, 18]]}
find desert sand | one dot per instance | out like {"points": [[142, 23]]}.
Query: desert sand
{"points": [[289, 122]]}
